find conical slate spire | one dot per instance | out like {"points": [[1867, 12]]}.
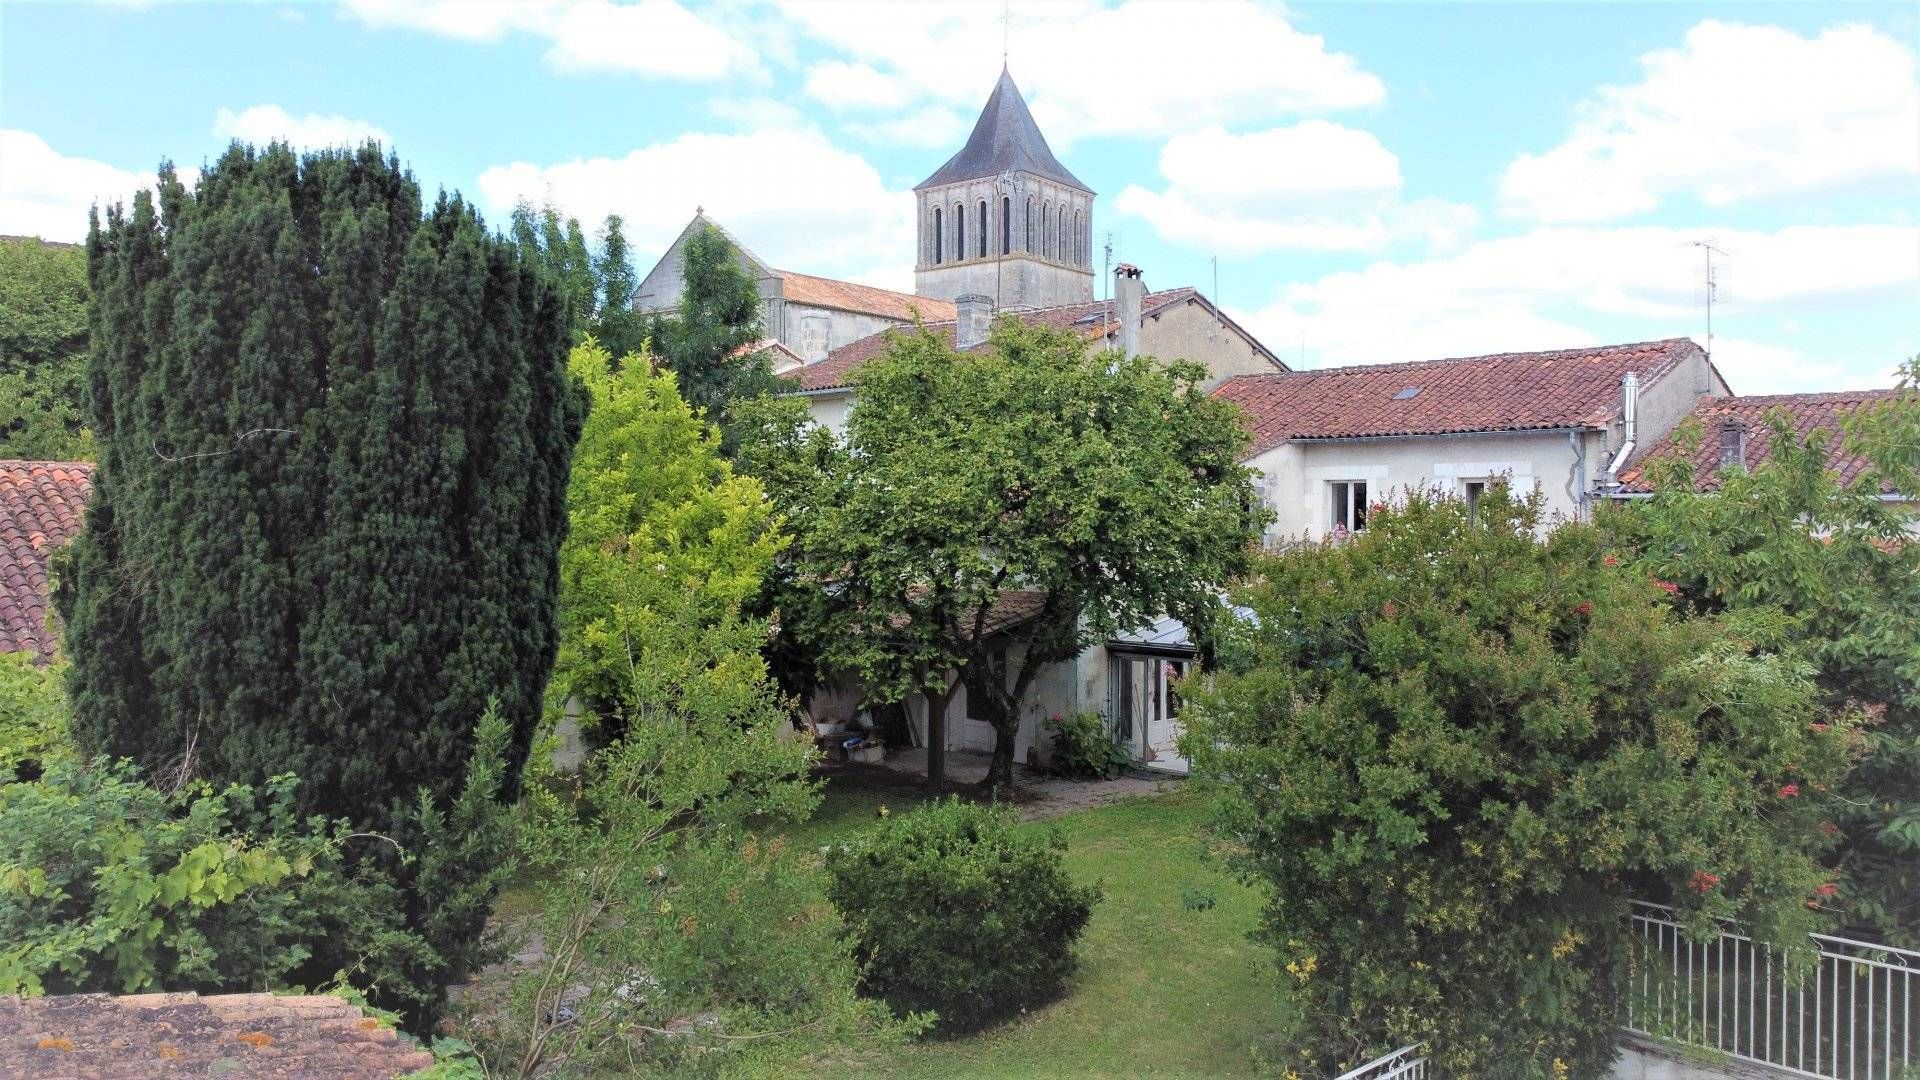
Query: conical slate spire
{"points": [[1004, 139]]}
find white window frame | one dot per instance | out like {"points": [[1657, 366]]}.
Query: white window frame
{"points": [[1351, 496]]}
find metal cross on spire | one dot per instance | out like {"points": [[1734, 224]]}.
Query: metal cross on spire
{"points": [[1006, 30]]}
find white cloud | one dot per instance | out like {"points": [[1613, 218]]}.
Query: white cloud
{"points": [[1315, 184], [658, 38], [839, 85], [47, 194], [1553, 286], [263, 124], [1139, 68], [1737, 112], [933, 126], [796, 199]]}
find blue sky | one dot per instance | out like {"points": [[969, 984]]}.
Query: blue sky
{"points": [[1377, 182]]}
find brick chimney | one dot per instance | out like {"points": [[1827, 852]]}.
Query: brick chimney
{"points": [[973, 318], [1129, 291]]}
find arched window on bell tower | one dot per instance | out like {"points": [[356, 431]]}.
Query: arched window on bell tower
{"points": [[1079, 241], [959, 231], [1006, 225], [939, 236], [1029, 246], [983, 228]]}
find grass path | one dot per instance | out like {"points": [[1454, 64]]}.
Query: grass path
{"points": [[1163, 990]]}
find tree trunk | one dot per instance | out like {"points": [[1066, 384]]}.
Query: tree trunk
{"points": [[1000, 769], [937, 739]]}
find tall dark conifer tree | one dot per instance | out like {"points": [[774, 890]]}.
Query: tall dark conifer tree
{"points": [[334, 434]]}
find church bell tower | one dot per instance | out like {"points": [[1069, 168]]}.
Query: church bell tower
{"points": [[1003, 218]]}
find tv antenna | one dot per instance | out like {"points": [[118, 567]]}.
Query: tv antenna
{"points": [[1710, 284]]}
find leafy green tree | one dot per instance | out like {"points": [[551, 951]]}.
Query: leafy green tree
{"points": [[616, 326], [555, 244], [335, 434], [1105, 492], [658, 900], [703, 341], [1840, 563], [654, 509], [43, 351], [1452, 752]]}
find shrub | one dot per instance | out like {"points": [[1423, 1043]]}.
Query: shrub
{"points": [[1084, 748], [33, 715], [1453, 752], [107, 884], [956, 910]]}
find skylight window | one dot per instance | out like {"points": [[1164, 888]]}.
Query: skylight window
{"points": [[1408, 394]]}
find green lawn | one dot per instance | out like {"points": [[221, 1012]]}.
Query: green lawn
{"points": [[1162, 990]]}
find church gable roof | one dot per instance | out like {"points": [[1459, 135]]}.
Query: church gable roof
{"points": [[1004, 139]]}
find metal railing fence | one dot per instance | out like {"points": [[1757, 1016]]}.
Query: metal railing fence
{"points": [[1852, 1014], [1406, 1063]]}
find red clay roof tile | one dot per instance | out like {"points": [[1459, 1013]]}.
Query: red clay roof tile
{"points": [[1807, 412], [851, 296], [1502, 392], [42, 506], [836, 370]]}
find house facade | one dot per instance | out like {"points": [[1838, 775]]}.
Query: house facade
{"points": [[1330, 444]]}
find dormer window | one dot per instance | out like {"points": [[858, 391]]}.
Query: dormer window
{"points": [[1733, 445]]}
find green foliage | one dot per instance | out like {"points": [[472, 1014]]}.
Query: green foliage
{"points": [[1452, 752], [1084, 748], [556, 246], [666, 545], [43, 351], [701, 342], [616, 326], [1108, 487], [675, 938], [1840, 565], [107, 884], [955, 910], [33, 716], [334, 439]]}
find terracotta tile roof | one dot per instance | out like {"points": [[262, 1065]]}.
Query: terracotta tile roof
{"points": [[103, 1037], [866, 299], [837, 369], [1808, 412], [42, 505], [1502, 392]]}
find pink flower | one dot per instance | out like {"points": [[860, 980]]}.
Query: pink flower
{"points": [[1817, 726], [1703, 882], [1585, 607], [1670, 587], [1610, 560], [1829, 828], [1826, 890], [1390, 610], [1788, 791]]}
